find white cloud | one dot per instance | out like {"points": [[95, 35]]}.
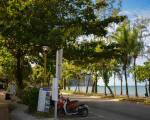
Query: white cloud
{"points": [[143, 13], [136, 12]]}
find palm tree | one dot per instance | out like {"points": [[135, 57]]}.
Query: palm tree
{"points": [[130, 45], [137, 47], [123, 38]]}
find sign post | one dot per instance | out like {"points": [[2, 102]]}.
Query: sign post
{"points": [[55, 95], [59, 55]]}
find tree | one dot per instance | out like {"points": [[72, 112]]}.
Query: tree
{"points": [[95, 80], [119, 74], [67, 74], [71, 74], [129, 37], [106, 72], [142, 72], [138, 33], [106, 76], [37, 75], [27, 24], [7, 65], [124, 37], [137, 47]]}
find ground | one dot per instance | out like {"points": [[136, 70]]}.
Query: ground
{"points": [[100, 109], [4, 111]]}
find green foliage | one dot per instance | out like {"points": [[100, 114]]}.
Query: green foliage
{"points": [[27, 25], [7, 64], [37, 75], [129, 39], [142, 72], [30, 98], [107, 67], [39, 22], [71, 71]]}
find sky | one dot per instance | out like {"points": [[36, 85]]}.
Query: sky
{"points": [[133, 8], [141, 8]]}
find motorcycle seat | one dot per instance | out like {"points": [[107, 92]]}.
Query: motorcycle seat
{"points": [[81, 104]]}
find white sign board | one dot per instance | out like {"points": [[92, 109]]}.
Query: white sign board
{"points": [[43, 100]]}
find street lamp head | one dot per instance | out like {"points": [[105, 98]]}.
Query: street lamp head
{"points": [[45, 48]]}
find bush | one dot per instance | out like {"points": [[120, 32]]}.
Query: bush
{"points": [[30, 98]]}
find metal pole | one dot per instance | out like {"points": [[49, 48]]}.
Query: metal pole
{"points": [[45, 50], [55, 95], [55, 111], [57, 60], [59, 55], [45, 56]]}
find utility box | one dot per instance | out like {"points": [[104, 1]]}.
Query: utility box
{"points": [[44, 100]]}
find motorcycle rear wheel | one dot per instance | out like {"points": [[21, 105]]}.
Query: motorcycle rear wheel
{"points": [[84, 112]]}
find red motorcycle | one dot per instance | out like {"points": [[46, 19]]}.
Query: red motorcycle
{"points": [[68, 107]]}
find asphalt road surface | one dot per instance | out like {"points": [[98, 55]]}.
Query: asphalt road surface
{"points": [[111, 110]]}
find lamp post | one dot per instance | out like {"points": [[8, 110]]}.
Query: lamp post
{"points": [[45, 50]]}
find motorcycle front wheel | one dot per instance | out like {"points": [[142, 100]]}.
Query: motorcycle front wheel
{"points": [[84, 112]]}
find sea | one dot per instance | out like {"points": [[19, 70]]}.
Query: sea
{"points": [[100, 89]]}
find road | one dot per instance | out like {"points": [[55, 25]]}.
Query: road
{"points": [[111, 110]]}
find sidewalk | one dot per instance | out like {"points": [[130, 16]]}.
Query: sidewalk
{"points": [[19, 113], [4, 111]]}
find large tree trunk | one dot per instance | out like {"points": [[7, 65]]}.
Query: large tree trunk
{"points": [[114, 83], [87, 87], [96, 83], [125, 75], [149, 86], [121, 92], [68, 84], [120, 76], [136, 92], [93, 86], [78, 85], [146, 91], [19, 76], [105, 92], [111, 92]]}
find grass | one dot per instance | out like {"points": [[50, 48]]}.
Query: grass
{"points": [[40, 115], [44, 114], [80, 93], [137, 100]]}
